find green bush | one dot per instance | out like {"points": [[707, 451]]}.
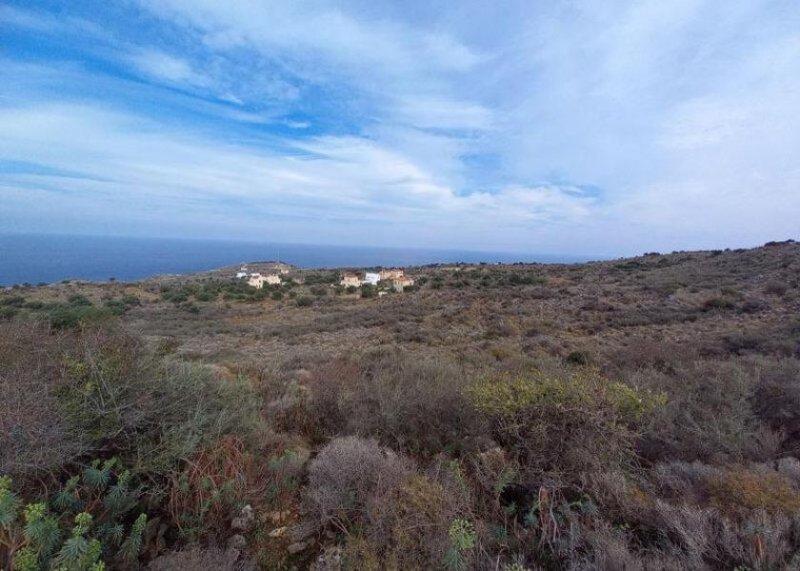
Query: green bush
{"points": [[12, 301], [8, 312], [305, 301], [100, 389], [122, 305], [566, 422], [368, 291], [72, 316]]}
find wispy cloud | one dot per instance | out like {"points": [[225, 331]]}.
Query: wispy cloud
{"points": [[611, 128], [162, 66]]}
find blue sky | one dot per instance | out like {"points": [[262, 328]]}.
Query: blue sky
{"points": [[602, 127]]}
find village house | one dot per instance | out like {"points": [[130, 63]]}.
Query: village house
{"points": [[258, 281], [399, 284], [391, 274], [372, 278], [350, 280], [255, 280]]}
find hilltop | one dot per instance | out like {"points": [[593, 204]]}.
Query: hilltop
{"points": [[639, 413]]}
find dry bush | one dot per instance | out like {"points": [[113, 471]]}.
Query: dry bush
{"points": [[203, 494], [645, 353], [33, 437], [103, 394], [789, 467], [759, 541], [411, 404], [707, 517], [775, 287], [407, 529], [734, 490], [776, 399], [737, 491], [319, 412], [708, 412], [198, 560], [348, 476]]}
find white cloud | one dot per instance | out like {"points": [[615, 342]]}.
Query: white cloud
{"points": [[117, 159], [471, 126], [162, 66]]}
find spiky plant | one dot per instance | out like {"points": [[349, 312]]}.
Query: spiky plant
{"points": [[462, 539], [42, 532], [80, 553], [133, 543]]}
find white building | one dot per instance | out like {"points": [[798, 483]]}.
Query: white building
{"points": [[372, 278]]}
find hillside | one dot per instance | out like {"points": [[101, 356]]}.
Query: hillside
{"points": [[641, 413]]}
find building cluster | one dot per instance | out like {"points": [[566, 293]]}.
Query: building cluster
{"points": [[258, 280], [394, 278]]}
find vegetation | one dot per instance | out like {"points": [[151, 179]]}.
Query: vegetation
{"points": [[637, 414]]}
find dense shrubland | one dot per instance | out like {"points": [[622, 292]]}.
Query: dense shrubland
{"points": [[388, 460], [612, 436]]}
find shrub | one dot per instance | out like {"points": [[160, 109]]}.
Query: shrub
{"points": [[7, 312], [349, 476], [101, 390], [122, 305], [775, 288], [709, 411], [738, 491], [564, 422], [321, 278], [412, 404], [196, 560], [407, 529], [319, 291], [305, 301], [206, 295], [578, 358], [214, 481], [77, 312], [32, 436], [12, 300], [776, 399], [368, 291], [717, 303]]}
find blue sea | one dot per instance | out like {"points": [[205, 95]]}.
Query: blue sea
{"points": [[51, 258]]}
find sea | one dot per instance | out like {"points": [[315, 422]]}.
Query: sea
{"points": [[36, 259]]}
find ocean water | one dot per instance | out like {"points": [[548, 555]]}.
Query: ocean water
{"points": [[50, 258]]}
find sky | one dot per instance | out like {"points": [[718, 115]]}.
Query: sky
{"points": [[602, 127]]}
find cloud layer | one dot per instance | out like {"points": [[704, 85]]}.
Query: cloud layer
{"points": [[606, 129]]}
